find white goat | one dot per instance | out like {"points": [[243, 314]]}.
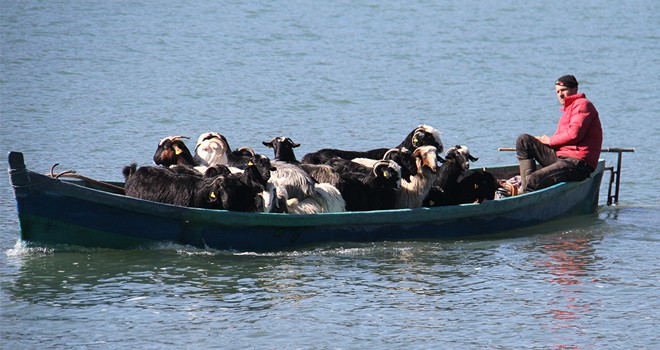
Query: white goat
{"points": [[326, 199]]}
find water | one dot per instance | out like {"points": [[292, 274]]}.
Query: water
{"points": [[94, 86]]}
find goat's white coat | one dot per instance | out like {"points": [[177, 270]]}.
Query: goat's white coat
{"points": [[326, 199], [212, 151], [297, 182]]}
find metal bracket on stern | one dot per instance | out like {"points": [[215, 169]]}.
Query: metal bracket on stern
{"points": [[615, 175]]}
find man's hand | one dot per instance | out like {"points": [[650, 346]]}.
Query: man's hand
{"points": [[545, 139]]}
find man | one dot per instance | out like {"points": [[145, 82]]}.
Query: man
{"points": [[572, 153]]}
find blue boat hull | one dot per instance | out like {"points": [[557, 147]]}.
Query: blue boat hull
{"points": [[53, 212]]}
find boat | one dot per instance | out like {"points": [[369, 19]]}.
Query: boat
{"points": [[79, 211]]}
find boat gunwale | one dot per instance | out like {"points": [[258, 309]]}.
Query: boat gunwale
{"points": [[73, 188]]}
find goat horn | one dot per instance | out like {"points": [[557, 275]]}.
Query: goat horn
{"points": [[247, 149], [390, 151], [179, 137], [380, 163]]}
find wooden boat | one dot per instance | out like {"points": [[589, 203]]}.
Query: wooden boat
{"points": [[54, 211]]}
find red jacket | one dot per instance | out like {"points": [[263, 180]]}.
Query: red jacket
{"points": [[579, 133]]}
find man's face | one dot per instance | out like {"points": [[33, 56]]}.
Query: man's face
{"points": [[563, 92]]}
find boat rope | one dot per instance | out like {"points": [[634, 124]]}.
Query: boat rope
{"points": [[24, 170], [73, 174]]}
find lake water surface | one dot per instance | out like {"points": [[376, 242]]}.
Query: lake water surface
{"points": [[95, 85]]}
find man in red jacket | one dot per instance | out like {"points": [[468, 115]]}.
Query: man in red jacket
{"points": [[572, 153]]}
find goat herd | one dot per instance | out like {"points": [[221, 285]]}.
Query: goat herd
{"points": [[328, 180]]}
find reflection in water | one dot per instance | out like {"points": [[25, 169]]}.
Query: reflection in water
{"points": [[570, 262], [164, 279]]}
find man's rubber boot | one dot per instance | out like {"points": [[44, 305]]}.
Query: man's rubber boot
{"points": [[527, 166]]}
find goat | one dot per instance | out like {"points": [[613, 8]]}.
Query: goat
{"points": [[477, 187], [217, 189], [168, 186], [327, 199], [305, 194], [414, 192], [401, 156], [297, 183], [171, 151], [213, 148], [423, 135], [445, 187], [283, 149], [374, 190], [240, 191]]}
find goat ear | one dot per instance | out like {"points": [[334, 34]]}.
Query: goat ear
{"points": [[470, 157], [268, 144], [294, 145]]}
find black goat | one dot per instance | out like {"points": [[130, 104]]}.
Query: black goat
{"points": [[374, 190], [283, 149], [217, 189], [445, 188], [172, 151], [477, 187], [423, 135], [401, 156], [238, 192], [169, 186]]}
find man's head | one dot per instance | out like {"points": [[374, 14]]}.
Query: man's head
{"points": [[565, 86]]}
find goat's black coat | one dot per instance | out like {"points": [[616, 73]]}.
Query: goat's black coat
{"points": [[217, 189], [283, 149], [416, 138], [451, 187], [238, 192], [420, 137], [476, 187], [168, 186], [445, 187], [403, 157], [364, 188], [322, 156]]}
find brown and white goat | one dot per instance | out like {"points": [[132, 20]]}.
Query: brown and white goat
{"points": [[413, 192]]}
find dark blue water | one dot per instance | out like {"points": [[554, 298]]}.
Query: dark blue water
{"points": [[94, 86]]}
